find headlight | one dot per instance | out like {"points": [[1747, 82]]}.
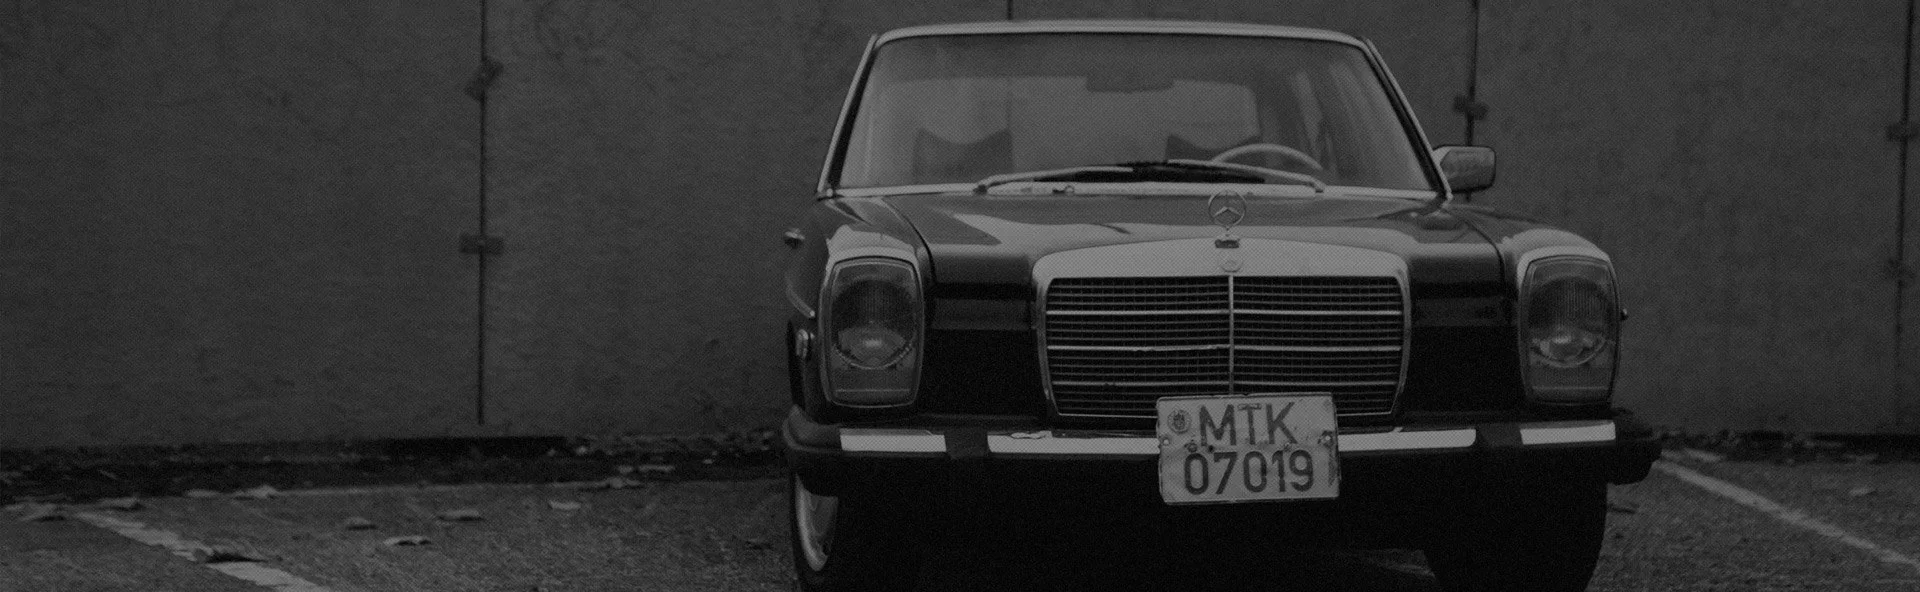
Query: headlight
{"points": [[1569, 329], [872, 326]]}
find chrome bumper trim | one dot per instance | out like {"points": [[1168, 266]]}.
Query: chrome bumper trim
{"points": [[872, 440], [1401, 439], [1051, 443], [1566, 432]]}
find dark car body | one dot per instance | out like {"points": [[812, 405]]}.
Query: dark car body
{"points": [[989, 409]]}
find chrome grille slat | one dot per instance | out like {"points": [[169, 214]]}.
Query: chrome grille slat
{"points": [[1322, 313], [1175, 383], [1295, 383], [1140, 348], [1318, 348], [1157, 320], [1267, 333], [1115, 345], [1144, 310]]}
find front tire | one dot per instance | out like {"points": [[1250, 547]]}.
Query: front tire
{"points": [[852, 543], [1546, 540]]}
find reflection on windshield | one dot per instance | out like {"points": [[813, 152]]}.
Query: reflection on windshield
{"points": [[961, 108]]}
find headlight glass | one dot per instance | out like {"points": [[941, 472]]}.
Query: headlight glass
{"points": [[873, 318], [1571, 321], [1570, 328], [872, 323]]}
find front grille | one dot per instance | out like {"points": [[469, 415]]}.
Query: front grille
{"points": [[1114, 345]]}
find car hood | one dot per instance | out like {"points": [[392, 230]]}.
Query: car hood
{"points": [[995, 239]]}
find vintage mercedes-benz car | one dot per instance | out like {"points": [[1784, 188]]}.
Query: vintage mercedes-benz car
{"points": [[1214, 265]]}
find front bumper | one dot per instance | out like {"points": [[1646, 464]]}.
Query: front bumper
{"points": [[832, 457]]}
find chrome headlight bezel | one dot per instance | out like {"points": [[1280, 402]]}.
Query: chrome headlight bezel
{"points": [[1568, 327], [878, 300]]}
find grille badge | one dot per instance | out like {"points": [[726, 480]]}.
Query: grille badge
{"points": [[1227, 209]]}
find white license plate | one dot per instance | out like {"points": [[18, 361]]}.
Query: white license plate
{"points": [[1248, 448]]}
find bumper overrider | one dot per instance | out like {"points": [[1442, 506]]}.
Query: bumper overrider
{"points": [[830, 457]]}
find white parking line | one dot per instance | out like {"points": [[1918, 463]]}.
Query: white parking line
{"points": [[393, 489], [1782, 513], [267, 577]]}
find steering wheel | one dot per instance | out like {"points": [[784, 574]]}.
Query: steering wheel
{"points": [[1287, 151]]}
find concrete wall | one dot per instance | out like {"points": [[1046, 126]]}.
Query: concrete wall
{"points": [[239, 221], [234, 220], [1906, 398]]}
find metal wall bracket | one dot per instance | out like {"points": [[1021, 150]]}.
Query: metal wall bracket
{"points": [[476, 244], [1898, 270], [483, 78], [1474, 110], [1903, 131]]}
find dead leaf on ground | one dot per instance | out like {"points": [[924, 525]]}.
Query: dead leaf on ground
{"points": [[656, 469], [1703, 456], [563, 505], [610, 483], [124, 504], [258, 493], [43, 513], [1809, 443], [356, 523], [461, 515], [227, 554], [412, 540]]}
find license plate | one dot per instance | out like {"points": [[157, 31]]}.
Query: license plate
{"points": [[1248, 448]]}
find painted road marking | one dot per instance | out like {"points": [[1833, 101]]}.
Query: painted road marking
{"points": [[393, 489], [268, 577], [1780, 512]]}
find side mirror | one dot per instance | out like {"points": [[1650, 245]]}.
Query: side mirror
{"points": [[1467, 168]]}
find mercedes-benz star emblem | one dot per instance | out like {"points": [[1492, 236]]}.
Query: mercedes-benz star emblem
{"points": [[1227, 209]]}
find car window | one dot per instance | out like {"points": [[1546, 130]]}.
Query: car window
{"points": [[959, 108]]}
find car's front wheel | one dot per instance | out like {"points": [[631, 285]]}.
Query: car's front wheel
{"points": [[856, 542], [1544, 540]]}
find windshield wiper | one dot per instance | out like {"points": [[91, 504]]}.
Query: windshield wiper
{"points": [[1179, 168], [1302, 178], [982, 185]]}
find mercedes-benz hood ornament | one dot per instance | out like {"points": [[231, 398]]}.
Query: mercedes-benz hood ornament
{"points": [[1227, 209]]}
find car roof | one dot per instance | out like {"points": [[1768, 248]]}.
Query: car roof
{"points": [[1121, 26]]}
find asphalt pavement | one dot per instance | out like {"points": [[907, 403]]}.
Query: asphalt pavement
{"points": [[1692, 525]]}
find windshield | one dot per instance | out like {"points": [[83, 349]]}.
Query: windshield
{"points": [[956, 109]]}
